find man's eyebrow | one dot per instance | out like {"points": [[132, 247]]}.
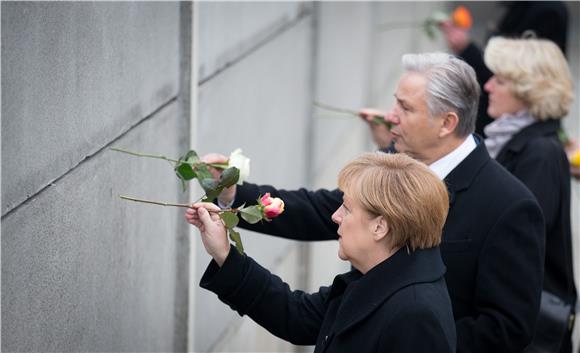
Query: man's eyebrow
{"points": [[399, 99]]}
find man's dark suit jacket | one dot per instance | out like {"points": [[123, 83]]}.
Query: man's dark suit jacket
{"points": [[400, 305], [536, 157], [493, 247], [548, 19]]}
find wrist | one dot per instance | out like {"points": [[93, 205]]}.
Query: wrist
{"points": [[226, 198], [220, 256]]}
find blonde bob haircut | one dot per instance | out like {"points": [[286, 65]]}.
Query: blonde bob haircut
{"points": [[539, 72], [411, 198]]}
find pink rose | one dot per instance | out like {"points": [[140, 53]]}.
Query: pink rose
{"points": [[266, 199], [274, 207]]}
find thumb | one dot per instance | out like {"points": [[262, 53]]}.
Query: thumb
{"points": [[204, 216]]}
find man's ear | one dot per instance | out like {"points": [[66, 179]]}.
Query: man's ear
{"points": [[380, 228], [449, 122]]}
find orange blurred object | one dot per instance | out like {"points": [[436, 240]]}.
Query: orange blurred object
{"points": [[575, 158], [462, 17]]}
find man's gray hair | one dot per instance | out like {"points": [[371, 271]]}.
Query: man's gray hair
{"points": [[452, 86]]}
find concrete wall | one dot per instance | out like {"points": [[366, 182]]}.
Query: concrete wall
{"points": [[255, 92], [83, 270]]}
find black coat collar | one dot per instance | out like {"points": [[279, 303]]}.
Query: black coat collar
{"points": [[519, 140], [366, 293], [465, 173]]}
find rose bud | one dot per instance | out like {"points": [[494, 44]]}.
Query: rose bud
{"points": [[266, 199], [462, 17], [274, 208]]}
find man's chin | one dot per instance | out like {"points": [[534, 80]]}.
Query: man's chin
{"points": [[401, 148]]}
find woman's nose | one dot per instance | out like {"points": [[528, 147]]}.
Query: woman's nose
{"points": [[488, 85], [337, 215]]}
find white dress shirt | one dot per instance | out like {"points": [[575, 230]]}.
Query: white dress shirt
{"points": [[445, 165]]}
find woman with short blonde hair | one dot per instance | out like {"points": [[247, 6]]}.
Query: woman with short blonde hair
{"points": [[539, 72], [530, 92], [394, 300], [414, 203]]}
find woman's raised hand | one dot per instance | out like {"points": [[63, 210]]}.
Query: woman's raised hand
{"points": [[205, 216]]}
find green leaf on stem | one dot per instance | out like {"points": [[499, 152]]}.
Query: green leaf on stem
{"points": [[230, 219], [190, 157], [429, 32], [211, 195], [229, 177], [208, 184], [377, 119], [211, 188], [184, 169], [235, 237], [202, 171], [185, 172], [251, 214]]}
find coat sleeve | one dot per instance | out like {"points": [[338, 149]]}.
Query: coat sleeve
{"points": [[252, 290], [307, 214], [508, 285]]}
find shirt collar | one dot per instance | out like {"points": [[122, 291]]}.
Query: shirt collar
{"points": [[445, 165]]}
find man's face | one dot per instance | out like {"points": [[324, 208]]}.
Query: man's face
{"points": [[415, 132]]}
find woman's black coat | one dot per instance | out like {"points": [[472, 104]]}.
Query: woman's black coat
{"points": [[535, 156], [400, 305]]}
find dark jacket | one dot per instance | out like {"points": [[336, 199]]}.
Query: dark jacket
{"points": [[548, 19], [493, 247], [535, 156], [400, 305]]}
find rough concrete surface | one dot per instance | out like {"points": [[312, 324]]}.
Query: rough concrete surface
{"points": [[73, 75], [83, 270], [269, 122], [229, 30]]}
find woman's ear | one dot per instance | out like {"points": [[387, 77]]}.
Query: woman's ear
{"points": [[380, 228], [448, 124]]}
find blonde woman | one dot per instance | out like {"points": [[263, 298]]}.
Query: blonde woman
{"points": [[529, 93], [395, 299]]}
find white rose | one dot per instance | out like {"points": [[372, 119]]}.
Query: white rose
{"points": [[238, 160]]}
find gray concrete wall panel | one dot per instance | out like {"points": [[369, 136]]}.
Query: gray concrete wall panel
{"points": [[343, 66], [389, 46], [262, 105], [74, 74], [342, 80], [230, 30], [83, 270]]}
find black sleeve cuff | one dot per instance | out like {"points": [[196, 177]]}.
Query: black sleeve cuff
{"points": [[246, 193], [225, 280]]}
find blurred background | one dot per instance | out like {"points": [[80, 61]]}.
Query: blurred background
{"points": [[83, 270]]}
